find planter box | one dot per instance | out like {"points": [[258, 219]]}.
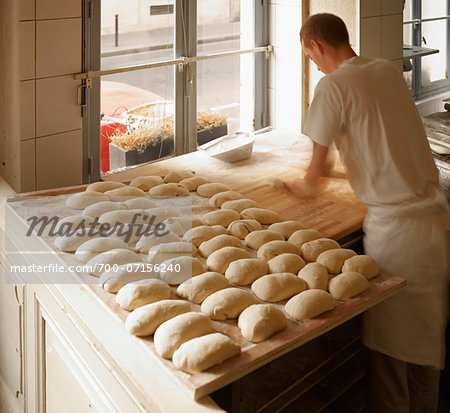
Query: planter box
{"points": [[207, 135]]}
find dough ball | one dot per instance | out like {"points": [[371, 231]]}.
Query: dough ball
{"points": [[162, 252], [146, 182], [312, 249], [104, 186], [201, 286], [206, 248], [219, 260], [93, 247], [277, 287], [286, 228], [239, 205], [178, 225], [97, 209], [115, 278], [147, 242], [111, 259], [71, 241], [262, 215], [82, 200], [274, 181], [208, 190], [202, 353], [302, 236], [222, 217], [124, 193], [227, 303], [139, 203], [146, 319], [363, 264], [333, 260], [218, 199], [203, 233], [261, 321], [309, 304], [347, 285], [177, 176], [246, 270], [140, 293], [315, 275], [179, 269], [257, 239], [273, 248], [194, 182], [242, 227], [286, 262], [171, 189], [173, 333]]}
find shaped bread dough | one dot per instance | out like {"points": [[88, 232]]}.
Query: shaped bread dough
{"points": [[179, 269], [333, 260], [93, 247], [194, 182], [312, 249], [202, 353], [201, 286], [315, 275], [239, 205], [160, 214], [82, 200], [242, 227], [139, 203], [209, 190], [347, 285], [218, 199], [146, 319], [219, 260], [246, 270], [203, 233], [227, 303], [177, 176], [363, 264], [262, 215], [104, 186], [256, 239], [146, 182], [286, 262], [170, 189], [149, 241], [115, 278], [277, 287], [115, 257], [162, 252], [261, 321], [68, 224], [273, 248], [173, 333], [206, 248], [71, 241], [129, 233], [124, 193], [99, 208], [286, 228], [221, 217], [123, 216], [302, 236], [309, 304], [142, 292], [178, 225]]}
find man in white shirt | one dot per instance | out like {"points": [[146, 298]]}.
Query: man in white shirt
{"points": [[364, 106]]}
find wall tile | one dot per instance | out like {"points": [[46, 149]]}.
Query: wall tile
{"points": [[369, 8], [391, 7], [392, 36], [370, 37], [27, 50], [27, 165], [56, 105], [59, 160], [26, 10], [58, 47], [56, 9], [27, 109]]}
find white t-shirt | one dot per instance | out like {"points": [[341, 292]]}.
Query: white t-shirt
{"points": [[366, 108]]}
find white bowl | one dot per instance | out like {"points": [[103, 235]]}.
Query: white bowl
{"points": [[230, 148]]}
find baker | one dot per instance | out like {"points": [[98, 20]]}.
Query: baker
{"points": [[364, 106]]}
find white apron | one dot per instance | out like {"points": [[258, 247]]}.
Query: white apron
{"points": [[411, 240]]}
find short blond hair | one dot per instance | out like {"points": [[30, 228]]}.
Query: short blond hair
{"points": [[325, 27]]}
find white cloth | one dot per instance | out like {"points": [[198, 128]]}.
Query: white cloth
{"points": [[365, 107]]}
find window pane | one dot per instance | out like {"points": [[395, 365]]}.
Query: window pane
{"points": [[435, 8], [407, 10], [434, 67]]}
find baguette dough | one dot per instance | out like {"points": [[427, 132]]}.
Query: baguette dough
{"points": [[315, 275], [91, 248], [104, 186], [162, 252], [202, 353], [173, 333], [178, 225], [333, 260], [242, 227], [147, 242], [286, 228], [219, 260], [202, 233], [206, 248], [257, 239], [146, 182], [69, 224], [312, 249], [69, 243], [309, 304], [221, 217], [115, 278], [302, 236], [160, 214], [179, 269], [170, 189], [99, 208], [177, 176], [145, 320], [142, 292], [246, 270], [261, 321], [209, 190], [277, 287], [123, 216], [82, 200], [286, 262], [363, 264], [201, 286], [124, 193], [273, 248], [114, 257], [239, 205], [218, 199], [262, 215], [194, 182], [347, 285], [139, 203], [227, 303]]}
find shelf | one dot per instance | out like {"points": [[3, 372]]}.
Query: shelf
{"points": [[413, 52]]}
